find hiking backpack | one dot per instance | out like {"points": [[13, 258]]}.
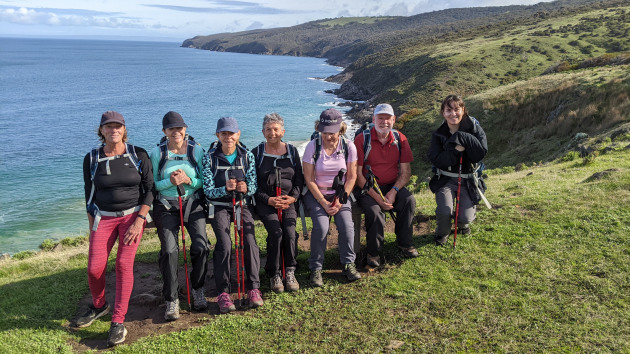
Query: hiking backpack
{"points": [[260, 155], [317, 136], [130, 152], [190, 154], [365, 129]]}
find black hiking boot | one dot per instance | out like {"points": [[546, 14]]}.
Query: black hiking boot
{"points": [[90, 315], [117, 334], [373, 261], [409, 252]]}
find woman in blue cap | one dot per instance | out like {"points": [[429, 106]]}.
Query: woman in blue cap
{"points": [[229, 174], [177, 162]]}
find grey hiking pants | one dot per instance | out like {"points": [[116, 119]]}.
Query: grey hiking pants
{"points": [[319, 235], [168, 224], [404, 207], [444, 211], [223, 227], [281, 239]]}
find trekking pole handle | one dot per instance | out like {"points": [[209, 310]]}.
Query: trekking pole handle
{"points": [[180, 190]]}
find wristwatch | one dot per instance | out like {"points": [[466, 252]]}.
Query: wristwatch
{"points": [[142, 217], [396, 189]]}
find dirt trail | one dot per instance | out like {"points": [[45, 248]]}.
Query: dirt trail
{"points": [[145, 316]]}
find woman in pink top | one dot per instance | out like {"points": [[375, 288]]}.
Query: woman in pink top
{"points": [[324, 160]]}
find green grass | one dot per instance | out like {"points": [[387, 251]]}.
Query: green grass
{"points": [[545, 270]]}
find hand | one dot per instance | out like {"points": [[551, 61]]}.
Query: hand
{"points": [[179, 177], [460, 148], [288, 200], [230, 185], [390, 197], [385, 205], [241, 187], [276, 202], [329, 208], [133, 232]]}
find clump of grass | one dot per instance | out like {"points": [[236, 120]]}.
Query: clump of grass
{"points": [[24, 255], [590, 158], [570, 156]]}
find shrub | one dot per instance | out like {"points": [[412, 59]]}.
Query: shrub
{"points": [[47, 245], [590, 158], [74, 241], [570, 156], [23, 255]]}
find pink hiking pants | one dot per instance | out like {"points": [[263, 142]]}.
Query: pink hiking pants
{"points": [[102, 240]]}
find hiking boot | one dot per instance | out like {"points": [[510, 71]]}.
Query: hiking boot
{"points": [[255, 298], [463, 229], [199, 299], [441, 240], [409, 252], [225, 303], [117, 334], [276, 283], [316, 278], [350, 271], [172, 310], [373, 261], [291, 283], [90, 315]]}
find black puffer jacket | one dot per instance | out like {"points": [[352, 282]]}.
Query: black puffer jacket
{"points": [[443, 155]]}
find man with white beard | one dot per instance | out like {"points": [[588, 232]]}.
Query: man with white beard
{"points": [[385, 152]]}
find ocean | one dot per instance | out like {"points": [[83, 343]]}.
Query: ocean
{"points": [[53, 92]]}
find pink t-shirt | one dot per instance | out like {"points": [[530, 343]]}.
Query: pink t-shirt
{"points": [[327, 167]]}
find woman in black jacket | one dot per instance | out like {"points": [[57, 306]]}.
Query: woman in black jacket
{"points": [[459, 136], [280, 182]]}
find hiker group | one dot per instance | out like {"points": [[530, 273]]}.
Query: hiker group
{"points": [[227, 185]]}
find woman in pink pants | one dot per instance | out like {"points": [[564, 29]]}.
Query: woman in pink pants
{"points": [[119, 192]]}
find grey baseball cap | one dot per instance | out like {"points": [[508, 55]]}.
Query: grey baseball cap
{"points": [[227, 124], [384, 108]]}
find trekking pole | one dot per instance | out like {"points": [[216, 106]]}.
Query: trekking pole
{"points": [[377, 188], [279, 193], [180, 192], [238, 269], [459, 187], [240, 245]]}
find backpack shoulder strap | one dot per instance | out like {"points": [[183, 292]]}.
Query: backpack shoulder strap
{"points": [[94, 156], [318, 146], [190, 153], [292, 152], [344, 147], [367, 144], [163, 155], [133, 156], [396, 134], [260, 150]]}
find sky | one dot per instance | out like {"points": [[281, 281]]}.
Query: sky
{"points": [[162, 20]]}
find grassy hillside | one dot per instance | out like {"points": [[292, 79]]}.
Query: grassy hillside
{"points": [[545, 270], [536, 120], [344, 40]]}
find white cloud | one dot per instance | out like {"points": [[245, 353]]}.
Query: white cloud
{"points": [[26, 16], [200, 17]]}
